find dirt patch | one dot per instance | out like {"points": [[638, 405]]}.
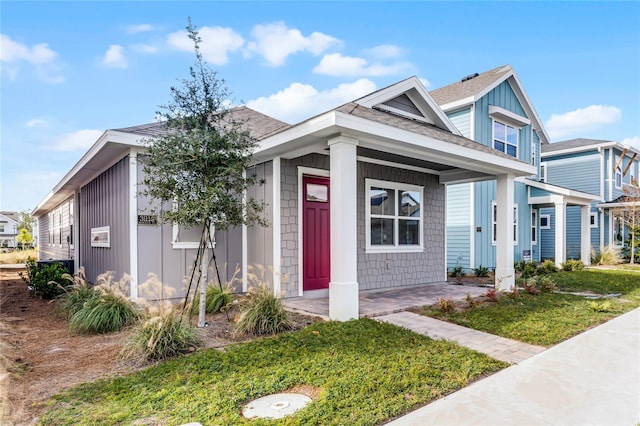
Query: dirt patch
{"points": [[43, 358]]}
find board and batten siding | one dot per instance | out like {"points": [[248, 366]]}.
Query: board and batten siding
{"points": [[259, 238], [105, 202], [53, 230], [462, 120], [459, 226]]}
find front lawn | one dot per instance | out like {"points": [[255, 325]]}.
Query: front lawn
{"points": [[363, 371], [547, 319]]}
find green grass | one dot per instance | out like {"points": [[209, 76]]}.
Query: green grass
{"points": [[365, 371], [546, 319]]}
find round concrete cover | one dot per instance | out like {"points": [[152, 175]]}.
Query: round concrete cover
{"points": [[275, 406]]}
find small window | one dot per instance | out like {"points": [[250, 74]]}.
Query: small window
{"points": [[618, 178], [543, 172], [317, 193], [545, 221], [494, 223], [534, 227], [533, 153], [505, 138], [515, 224], [593, 220], [618, 237], [1, 228], [101, 237], [71, 224]]}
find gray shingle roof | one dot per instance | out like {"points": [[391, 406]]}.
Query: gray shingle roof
{"points": [[571, 143], [259, 125], [464, 89]]}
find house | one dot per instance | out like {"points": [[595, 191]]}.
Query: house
{"points": [[599, 167], [493, 109], [355, 201], [8, 229]]}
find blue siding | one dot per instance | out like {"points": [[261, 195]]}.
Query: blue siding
{"points": [[462, 120], [578, 172], [572, 244], [547, 238], [458, 226], [485, 252]]}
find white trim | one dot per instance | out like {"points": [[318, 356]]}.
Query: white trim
{"points": [[609, 171], [544, 170], [133, 223], [277, 229], [501, 114], [470, 100], [620, 221], [472, 123], [101, 230], [516, 224], [548, 218], [302, 171], [397, 165], [601, 211], [402, 113], [505, 141], [593, 223], [617, 173], [396, 247], [601, 154], [472, 231], [594, 147], [494, 222], [534, 226], [559, 190]]}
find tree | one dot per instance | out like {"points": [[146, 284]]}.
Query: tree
{"points": [[629, 214], [25, 221], [24, 237], [199, 165]]}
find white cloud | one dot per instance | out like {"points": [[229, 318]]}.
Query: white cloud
{"points": [[37, 122], [217, 43], [144, 48], [300, 101], [275, 42], [13, 53], [581, 120], [426, 83], [114, 57], [384, 51], [139, 28], [335, 64], [76, 141], [633, 141]]}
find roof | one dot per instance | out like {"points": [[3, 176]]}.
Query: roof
{"points": [[464, 89], [573, 144], [259, 125], [10, 215]]}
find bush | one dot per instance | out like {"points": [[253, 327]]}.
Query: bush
{"points": [[446, 305], [76, 294], [103, 313], [573, 265], [600, 306], [547, 267], [164, 335], [492, 295], [530, 285], [546, 284], [610, 255], [471, 302], [43, 280], [217, 299], [457, 271], [481, 271], [262, 312], [529, 269]]}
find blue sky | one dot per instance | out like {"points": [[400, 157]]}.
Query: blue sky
{"points": [[70, 70]]}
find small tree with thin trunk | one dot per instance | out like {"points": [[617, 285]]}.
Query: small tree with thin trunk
{"points": [[629, 214], [24, 237], [199, 165]]}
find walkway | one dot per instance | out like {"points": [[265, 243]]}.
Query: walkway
{"points": [[497, 347], [591, 379]]}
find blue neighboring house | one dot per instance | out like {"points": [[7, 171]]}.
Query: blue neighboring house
{"points": [[600, 167], [493, 109]]}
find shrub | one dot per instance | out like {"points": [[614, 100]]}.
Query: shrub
{"points": [[514, 293], [547, 267], [530, 285], [546, 284], [492, 295], [610, 255], [481, 271], [261, 312], [76, 294], [600, 306], [471, 302], [103, 313], [217, 299], [529, 269], [164, 335], [457, 271], [573, 265], [43, 280], [446, 305]]}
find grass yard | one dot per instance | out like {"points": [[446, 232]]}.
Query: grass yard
{"points": [[364, 372], [17, 256], [547, 319]]}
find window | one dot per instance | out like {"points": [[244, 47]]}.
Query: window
{"points": [[1, 228], [618, 178], [189, 237], [533, 152], [494, 223], [593, 220], [71, 224], [101, 237], [534, 227], [545, 221], [50, 224], [543, 172], [393, 216], [618, 238], [505, 138]]}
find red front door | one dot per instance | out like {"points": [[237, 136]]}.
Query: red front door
{"points": [[315, 229]]}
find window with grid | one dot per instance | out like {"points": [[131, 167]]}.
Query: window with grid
{"points": [[505, 138]]}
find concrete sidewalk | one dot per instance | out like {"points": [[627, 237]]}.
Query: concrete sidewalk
{"points": [[591, 379]]}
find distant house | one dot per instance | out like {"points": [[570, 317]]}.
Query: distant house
{"points": [[355, 201], [598, 167], [8, 229], [493, 109]]}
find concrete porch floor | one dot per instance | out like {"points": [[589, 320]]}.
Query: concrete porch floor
{"points": [[375, 303]]}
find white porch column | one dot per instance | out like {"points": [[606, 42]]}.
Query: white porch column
{"points": [[561, 226], [585, 235], [504, 274], [343, 288]]}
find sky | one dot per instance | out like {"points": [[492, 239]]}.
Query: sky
{"points": [[71, 70]]}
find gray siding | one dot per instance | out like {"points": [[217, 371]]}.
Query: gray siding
{"points": [[105, 202], [462, 120], [459, 226], [260, 239], [403, 103], [53, 230]]}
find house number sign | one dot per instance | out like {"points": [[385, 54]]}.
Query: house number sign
{"points": [[147, 219]]}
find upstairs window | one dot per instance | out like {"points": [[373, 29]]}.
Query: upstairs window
{"points": [[618, 178], [505, 138], [543, 172]]}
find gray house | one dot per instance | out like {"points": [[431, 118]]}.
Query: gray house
{"points": [[355, 201]]}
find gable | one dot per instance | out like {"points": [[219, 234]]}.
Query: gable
{"points": [[403, 103], [503, 96]]}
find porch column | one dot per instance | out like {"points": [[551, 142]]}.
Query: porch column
{"points": [[343, 287], [561, 225], [585, 235], [504, 274]]}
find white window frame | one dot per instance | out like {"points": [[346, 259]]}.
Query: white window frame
{"points": [[534, 227], [617, 220], [51, 236], [71, 242], [618, 178], [175, 236], [494, 138], [543, 172], [494, 223], [548, 219], [593, 219], [106, 230], [533, 151], [396, 247], [2, 228]]}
